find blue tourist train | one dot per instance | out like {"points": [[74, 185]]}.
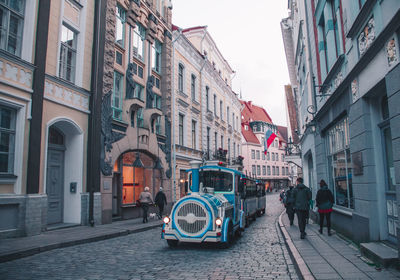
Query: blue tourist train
{"points": [[219, 205]]}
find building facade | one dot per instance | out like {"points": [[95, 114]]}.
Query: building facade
{"points": [[46, 73], [271, 167], [135, 105], [354, 47], [206, 106]]}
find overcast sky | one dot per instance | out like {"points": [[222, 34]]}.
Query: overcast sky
{"points": [[249, 37]]}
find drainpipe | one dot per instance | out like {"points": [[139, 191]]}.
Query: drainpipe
{"points": [[173, 119]]}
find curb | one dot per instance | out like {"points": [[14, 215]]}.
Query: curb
{"points": [[70, 243], [297, 259]]}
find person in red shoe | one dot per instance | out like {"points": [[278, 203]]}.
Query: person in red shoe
{"points": [[324, 201]]}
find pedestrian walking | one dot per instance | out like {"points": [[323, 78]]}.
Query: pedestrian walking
{"points": [[324, 202], [289, 203], [161, 201], [145, 202], [302, 197]]}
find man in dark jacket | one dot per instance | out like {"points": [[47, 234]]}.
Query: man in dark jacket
{"points": [[289, 203], [160, 201], [302, 197]]}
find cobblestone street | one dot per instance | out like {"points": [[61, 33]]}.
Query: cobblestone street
{"points": [[259, 254]]}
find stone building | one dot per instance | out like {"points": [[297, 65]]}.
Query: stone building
{"points": [[45, 78], [207, 111], [271, 168], [136, 128], [353, 47]]}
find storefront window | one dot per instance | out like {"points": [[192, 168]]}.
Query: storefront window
{"points": [[340, 165]]}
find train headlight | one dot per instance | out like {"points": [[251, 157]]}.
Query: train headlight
{"points": [[218, 222], [166, 219]]}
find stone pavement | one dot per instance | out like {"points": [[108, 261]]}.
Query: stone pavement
{"points": [[14, 248], [320, 256]]}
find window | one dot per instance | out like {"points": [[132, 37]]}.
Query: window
{"points": [[156, 56], [117, 96], [216, 140], [268, 156], [258, 170], [253, 154], [158, 125], [269, 170], [11, 25], [282, 157], [263, 156], [120, 15], [227, 114], [207, 96], [138, 92], [181, 119], [140, 119], [7, 139], [220, 110], [253, 170], [193, 87], [287, 171], [229, 147], [67, 62], [283, 170], [215, 105], [219, 181], [339, 162], [264, 170], [194, 134], [258, 154], [157, 101], [273, 170], [273, 156], [277, 171], [222, 141], [139, 34], [234, 149], [237, 123], [181, 70]]}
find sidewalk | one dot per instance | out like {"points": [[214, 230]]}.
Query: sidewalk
{"points": [[320, 256], [14, 248]]}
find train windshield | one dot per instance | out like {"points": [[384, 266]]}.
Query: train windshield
{"points": [[218, 180]]}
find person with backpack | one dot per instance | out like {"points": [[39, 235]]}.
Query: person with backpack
{"points": [[324, 201], [302, 196], [288, 201]]}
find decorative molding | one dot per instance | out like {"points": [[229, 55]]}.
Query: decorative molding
{"points": [[66, 96], [107, 135], [391, 52], [332, 72], [16, 75], [367, 36]]}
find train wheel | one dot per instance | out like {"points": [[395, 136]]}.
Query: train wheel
{"points": [[247, 223], [172, 243]]}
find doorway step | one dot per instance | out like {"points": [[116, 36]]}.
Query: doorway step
{"points": [[380, 253], [60, 226]]}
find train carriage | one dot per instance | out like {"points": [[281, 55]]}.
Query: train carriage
{"points": [[219, 203]]}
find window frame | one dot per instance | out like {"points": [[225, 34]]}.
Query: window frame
{"points": [[11, 131], [121, 17], [117, 107], [181, 124], [20, 16], [63, 65], [139, 34]]}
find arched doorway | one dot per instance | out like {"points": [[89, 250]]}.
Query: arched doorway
{"points": [[133, 171], [63, 176], [55, 175]]}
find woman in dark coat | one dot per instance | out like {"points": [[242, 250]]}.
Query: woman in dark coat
{"points": [[324, 201]]}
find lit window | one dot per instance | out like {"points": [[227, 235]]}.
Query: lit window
{"points": [[138, 41]]}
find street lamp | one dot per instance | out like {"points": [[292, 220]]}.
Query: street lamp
{"points": [[292, 148]]}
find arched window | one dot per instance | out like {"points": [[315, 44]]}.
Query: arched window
{"points": [[56, 137]]}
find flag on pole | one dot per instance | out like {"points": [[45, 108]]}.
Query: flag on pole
{"points": [[269, 138]]}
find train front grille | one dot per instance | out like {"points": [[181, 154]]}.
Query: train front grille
{"points": [[192, 218]]}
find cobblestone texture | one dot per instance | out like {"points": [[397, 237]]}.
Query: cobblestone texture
{"points": [[259, 254]]}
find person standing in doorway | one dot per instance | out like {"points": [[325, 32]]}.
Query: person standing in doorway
{"points": [[324, 201], [161, 201], [302, 197], [289, 203], [145, 201]]}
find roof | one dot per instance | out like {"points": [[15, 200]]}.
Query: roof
{"points": [[193, 28], [283, 132], [252, 112], [248, 134]]}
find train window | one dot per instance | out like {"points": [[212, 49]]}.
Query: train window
{"points": [[220, 181]]}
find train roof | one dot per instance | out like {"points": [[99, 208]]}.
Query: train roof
{"points": [[224, 169]]}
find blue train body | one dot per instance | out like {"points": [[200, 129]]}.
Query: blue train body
{"points": [[220, 203]]}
